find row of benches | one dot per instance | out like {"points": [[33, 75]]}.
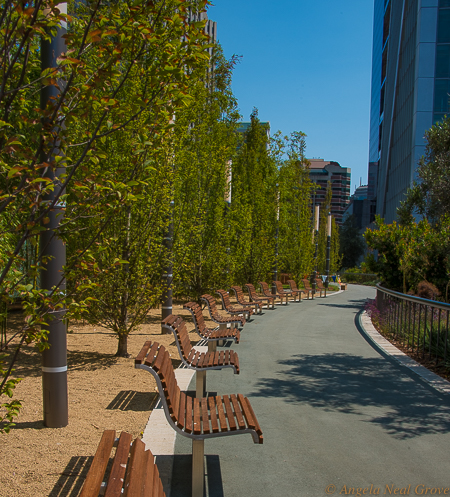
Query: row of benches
{"points": [[133, 471]]}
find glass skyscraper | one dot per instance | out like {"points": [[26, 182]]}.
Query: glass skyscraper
{"points": [[410, 91]]}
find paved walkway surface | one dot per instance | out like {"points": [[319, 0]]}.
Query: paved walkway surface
{"points": [[337, 414]]}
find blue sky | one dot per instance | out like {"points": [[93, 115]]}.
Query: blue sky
{"points": [[306, 66]]}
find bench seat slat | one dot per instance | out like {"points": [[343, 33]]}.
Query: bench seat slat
{"points": [[133, 480], [151, 356], [205, 417], [143, 353], [181, 419], [197, 422], [117, 475], [229, 412], [213, 414], [222, 358], [237, 412], [222, 418], [189, 413], [94, 478]]}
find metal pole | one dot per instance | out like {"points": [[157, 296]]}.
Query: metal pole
{"points": [[328, 253], [275, 266], [53, 252], [168, 275], [316, 240], [316, 236]]}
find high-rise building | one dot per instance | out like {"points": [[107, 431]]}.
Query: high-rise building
{"points": [[410, 92], [321, 172]]}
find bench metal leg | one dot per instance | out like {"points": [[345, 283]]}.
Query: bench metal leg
{"points": [[212, 346], [200, 384], [222, 327], [198, 467]]}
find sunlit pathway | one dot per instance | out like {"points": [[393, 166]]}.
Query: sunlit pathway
{"points": [[333, 412]]}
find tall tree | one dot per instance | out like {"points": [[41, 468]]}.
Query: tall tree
{"points": [[109, 45], [253, 213], [295, 247], [352, 243]]}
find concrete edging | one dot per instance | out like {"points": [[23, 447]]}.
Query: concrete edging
{"points": [[384, 345]]}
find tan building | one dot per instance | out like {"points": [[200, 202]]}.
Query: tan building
{"points": [[321, 172]]}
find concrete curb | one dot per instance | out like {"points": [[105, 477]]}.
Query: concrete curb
{"points": [[381, 343]]}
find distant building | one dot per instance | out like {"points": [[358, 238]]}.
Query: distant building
{"points": [[244, 126], [321, 172], [410, 92], [360, 207]]}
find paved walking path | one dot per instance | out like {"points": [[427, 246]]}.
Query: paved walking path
{"points": [[333, 409]]}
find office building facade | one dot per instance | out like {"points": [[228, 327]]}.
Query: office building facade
{"points": [[321, 172], [410, 88]]}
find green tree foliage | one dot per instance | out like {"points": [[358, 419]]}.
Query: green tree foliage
{"points": [[407, 254], [253, 213], [295, 246], [352, 243], [126, 70], [204, 143], [430, 196]]}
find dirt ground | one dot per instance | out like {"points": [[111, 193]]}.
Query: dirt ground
{"points": [[105, 392]]}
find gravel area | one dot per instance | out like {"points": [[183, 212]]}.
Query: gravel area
{"points": [[105, 392]]}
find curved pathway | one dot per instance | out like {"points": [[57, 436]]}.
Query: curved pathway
{"points": [[337, 414]]}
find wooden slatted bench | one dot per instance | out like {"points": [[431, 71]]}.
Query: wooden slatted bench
{"points": [[265, 290], [254, 297], [320, 286], [293, 286], [233, 320], [241, 300], [198, 419], [287, 293], [308, 287], [211, 335], [192, 358], [233, 309], [133, 470]]}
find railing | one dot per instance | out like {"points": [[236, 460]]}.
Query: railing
{"points": [[420, 325]]}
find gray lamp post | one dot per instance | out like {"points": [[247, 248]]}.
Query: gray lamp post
{"points": [[275, 266], [328, 252], [316, 241], [53, 252]]}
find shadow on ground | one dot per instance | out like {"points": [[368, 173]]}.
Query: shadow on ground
{"points": [[72, 478], [182, 476], [130, 400], [373, 388], [352, 304]]}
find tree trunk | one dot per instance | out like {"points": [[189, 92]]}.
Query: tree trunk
{"points": [[122, 347]]}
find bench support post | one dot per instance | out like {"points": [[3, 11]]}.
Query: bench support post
{"points": [[200, 384], [212, 345], [198, 469]]}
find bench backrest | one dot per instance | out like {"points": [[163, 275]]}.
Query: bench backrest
{"points": [[178, 327], [156, 356], [225, 298], [306, 284], [279, 287], [293, 285], [133, 469], [251, 290], [239, 293], [211, 303], [197, 316], [265, 288], [319, 283]]}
